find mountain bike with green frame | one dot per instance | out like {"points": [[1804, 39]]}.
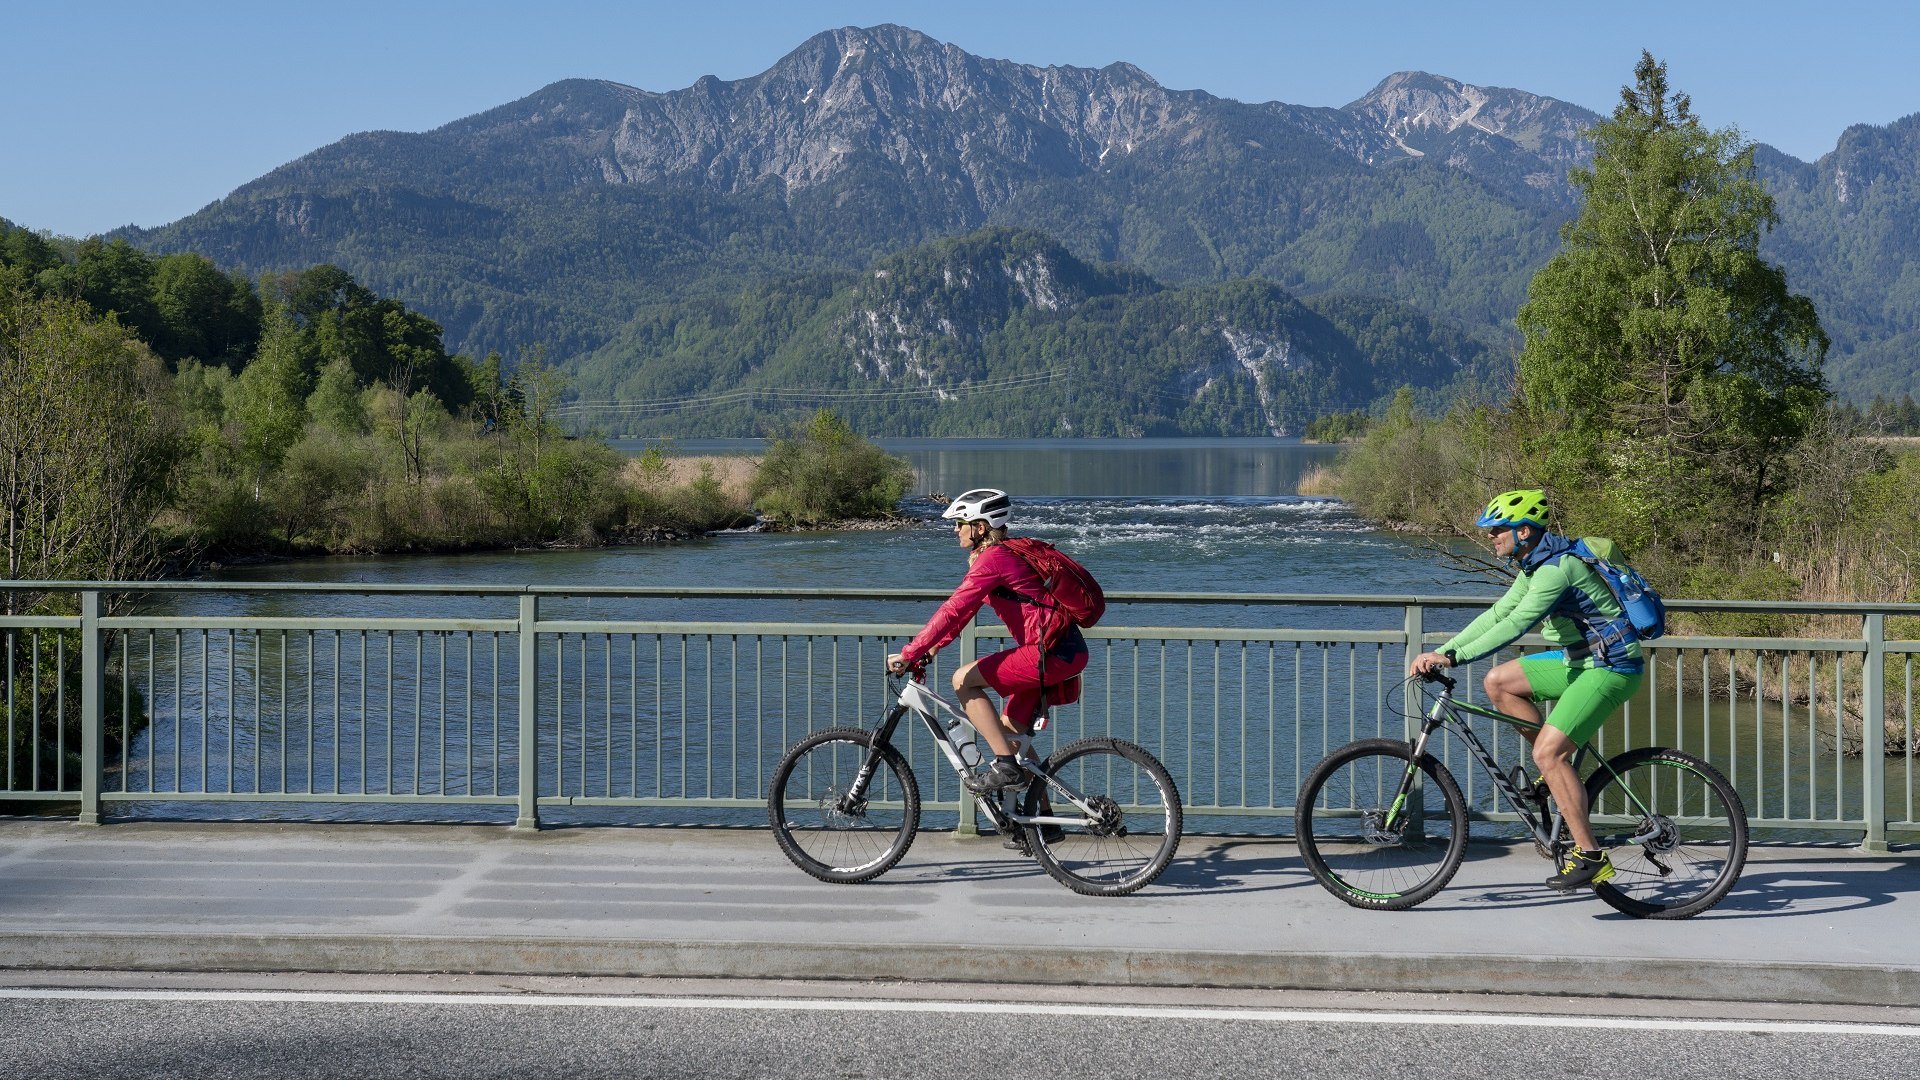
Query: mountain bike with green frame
{"points": [[1382, 824]]}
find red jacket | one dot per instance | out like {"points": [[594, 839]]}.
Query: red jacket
{"points": [[993, 578]]}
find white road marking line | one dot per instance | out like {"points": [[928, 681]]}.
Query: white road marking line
{"points": [[1151, 1012]]}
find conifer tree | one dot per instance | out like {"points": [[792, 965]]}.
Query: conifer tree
{"points": [[1667, 369]]}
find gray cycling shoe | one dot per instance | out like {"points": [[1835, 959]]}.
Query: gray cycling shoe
{"points": [[1001, 775]]}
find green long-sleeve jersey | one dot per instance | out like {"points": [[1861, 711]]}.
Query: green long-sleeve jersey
{"points": [[1579, 612]]}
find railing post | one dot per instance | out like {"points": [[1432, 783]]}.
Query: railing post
{"points": [[1873, 734], [969, 824], [92, 683], [1416, 631], [529, 817]]}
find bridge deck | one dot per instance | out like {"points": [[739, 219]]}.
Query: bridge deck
{"points": [[1810, 924]]}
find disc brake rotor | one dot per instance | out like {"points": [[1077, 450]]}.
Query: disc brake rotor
{"points": [[1106, 819], [1376, 831], [841, 811], [1658, 835]]}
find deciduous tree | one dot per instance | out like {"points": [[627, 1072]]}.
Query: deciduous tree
{"points": [[87, 449]]}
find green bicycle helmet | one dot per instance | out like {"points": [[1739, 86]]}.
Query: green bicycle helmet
{"points": [[1516, 508]]}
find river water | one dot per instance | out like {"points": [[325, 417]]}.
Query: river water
{"points": [[1195, 515], [1182, 516]]}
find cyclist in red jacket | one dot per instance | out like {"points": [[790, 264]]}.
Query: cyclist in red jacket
{"points": [[997, 576]]}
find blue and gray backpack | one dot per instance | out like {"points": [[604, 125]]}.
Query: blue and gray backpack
{"points": [[1641, 604]]}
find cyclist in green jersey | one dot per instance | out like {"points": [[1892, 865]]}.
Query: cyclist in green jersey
{"points": [[1597, 667]]}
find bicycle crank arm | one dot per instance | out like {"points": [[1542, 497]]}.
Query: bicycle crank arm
{"points": [[1000, 817]]}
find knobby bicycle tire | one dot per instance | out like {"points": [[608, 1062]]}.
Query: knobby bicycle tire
{"points": [[1339, 822], [1685, 856], [1138, 832], [819, 832]]}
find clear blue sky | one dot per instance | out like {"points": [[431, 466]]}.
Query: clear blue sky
{"points": [[115, 113]]}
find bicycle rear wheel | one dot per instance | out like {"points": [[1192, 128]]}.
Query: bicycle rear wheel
{"points": [[1340, 821], [1134, 830], [827, 831], [1674, 828]]}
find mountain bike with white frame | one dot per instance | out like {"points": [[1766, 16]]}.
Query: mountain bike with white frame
{"points": [[1102, 816]]}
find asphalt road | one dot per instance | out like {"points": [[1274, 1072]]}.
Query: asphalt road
{"points": [[51, 1032]]}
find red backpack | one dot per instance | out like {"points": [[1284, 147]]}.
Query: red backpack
{"points": [[1071, 591]]}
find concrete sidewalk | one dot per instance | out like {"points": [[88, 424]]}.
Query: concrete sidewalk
{"points": [[1818, 925]]}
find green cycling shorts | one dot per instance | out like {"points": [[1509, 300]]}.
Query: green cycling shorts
{"points": [[1584, 698]]}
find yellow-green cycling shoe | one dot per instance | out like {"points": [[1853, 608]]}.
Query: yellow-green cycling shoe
{"points": [[1582, 868]]}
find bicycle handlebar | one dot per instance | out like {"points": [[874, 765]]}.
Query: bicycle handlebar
{"points": [[917, 671], [1436, 676]]}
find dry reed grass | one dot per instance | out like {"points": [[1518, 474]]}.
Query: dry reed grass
{"points": [[734, 472]]}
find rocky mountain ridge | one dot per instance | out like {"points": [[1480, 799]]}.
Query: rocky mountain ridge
{"points": [[559, 217], [888, 93]]}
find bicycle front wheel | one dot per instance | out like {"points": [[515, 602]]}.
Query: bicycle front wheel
{"points": [[1674, 828], [1363, 847], [829, 829], [1132, 832]]}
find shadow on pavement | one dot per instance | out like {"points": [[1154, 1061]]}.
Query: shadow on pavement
{"points": [[1800, 889], [1766, 891], [1222, 868]]}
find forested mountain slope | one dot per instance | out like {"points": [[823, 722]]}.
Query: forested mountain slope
{"points": [[1005, 333]]}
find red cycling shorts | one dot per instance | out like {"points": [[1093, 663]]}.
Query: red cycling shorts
{"points": [[1015, 675]]}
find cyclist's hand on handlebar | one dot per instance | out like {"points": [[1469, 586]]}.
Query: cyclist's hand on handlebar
{"points": [[1428, 663], [897, 664]]}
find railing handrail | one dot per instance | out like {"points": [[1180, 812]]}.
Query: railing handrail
{"points": [[675, 592]]}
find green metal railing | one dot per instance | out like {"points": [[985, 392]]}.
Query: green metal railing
{"points": [[509, 702]]}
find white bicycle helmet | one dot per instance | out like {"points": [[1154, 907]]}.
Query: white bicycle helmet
{"points": [[990, 505]]}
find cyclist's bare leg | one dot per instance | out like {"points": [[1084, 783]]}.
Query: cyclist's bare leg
{"points": [[1553, 755], [970, 687], [1508, 691]]}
